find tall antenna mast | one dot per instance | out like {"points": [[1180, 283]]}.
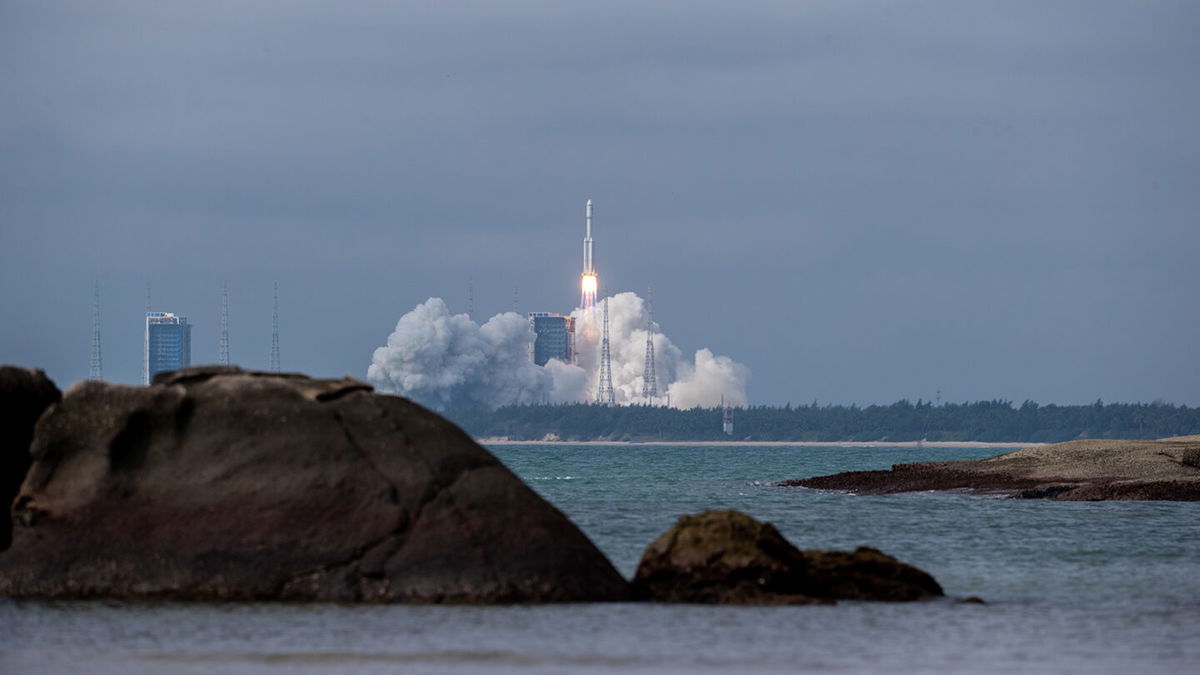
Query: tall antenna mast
{"points": [[516, 300], [471, 301], [649, 377], [146, 338], [95, 364], [605, 394], [223, 351], [275, 331]]}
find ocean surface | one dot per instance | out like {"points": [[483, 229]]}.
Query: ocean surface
{"points": [[1104, 587]]}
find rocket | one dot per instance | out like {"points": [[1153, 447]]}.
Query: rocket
{"points": [[588, 267], [588, 281]]}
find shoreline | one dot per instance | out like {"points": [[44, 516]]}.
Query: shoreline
{"points": [[804, 444]]}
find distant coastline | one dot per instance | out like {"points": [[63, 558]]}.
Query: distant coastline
{"points": [[813, 444], [953, 424]]}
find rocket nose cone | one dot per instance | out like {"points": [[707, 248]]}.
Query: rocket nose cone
{"points": [[589, 202]]}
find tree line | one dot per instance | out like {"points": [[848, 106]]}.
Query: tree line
{"points": [[996, 421]]}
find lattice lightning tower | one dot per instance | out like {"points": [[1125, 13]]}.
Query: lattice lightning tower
{"points": [[275, 331], [223, 350], [605, 394], [96, 364], [649, 377], [146, 340]]}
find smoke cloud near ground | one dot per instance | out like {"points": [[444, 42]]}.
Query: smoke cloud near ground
{"points": [[448, 361]]}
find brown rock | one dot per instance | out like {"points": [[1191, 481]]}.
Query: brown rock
{"points": [[1190, 457], [867, 574], [917, 477], [216, 483], [1148, 490], [1166, 469], [730, 558], [24, 395]]}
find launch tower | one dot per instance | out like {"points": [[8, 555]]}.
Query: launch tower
{"points": [[554, 338], [588, 281], [649, 378], [605, 395]]}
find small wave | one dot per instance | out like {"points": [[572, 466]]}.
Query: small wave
{"points": [[553, 478], [366, 659], [346, 658]]}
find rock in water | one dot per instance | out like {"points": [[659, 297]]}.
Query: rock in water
{"points": [[24, 394], [722, 557], [221, 484], [729, 557], [1167, 469], [867, 574]]}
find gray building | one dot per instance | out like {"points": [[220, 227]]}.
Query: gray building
{"points": [[167, 344], [555, 337]]}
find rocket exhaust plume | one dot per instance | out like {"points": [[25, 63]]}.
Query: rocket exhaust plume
{"points": [[692, 382], [588, 281], [448, 361]]}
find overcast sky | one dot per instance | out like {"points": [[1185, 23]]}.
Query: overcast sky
{"points": [[861, 201]]}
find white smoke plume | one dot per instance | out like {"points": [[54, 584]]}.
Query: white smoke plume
{"points": [[447, 361], [681, 382]]}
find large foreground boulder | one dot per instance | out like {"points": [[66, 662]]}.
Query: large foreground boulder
{"points": [[730, 558], [24, 395], [220, 484]]}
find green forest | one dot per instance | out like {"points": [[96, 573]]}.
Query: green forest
{"points": [[995, 421]]}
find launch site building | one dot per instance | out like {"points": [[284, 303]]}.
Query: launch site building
{"points": [[554, 337], [167, 344]]}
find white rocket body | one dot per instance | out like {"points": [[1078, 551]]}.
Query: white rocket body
{"points": [[588, 281], [588, 267]]}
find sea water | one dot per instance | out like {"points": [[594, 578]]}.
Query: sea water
{"points": [[1096, 587]]}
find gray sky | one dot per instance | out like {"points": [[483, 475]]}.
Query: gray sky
{"points": [[861, 201]]}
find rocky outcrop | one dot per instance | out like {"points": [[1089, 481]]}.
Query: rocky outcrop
{"points": [[24, 395], [918, 477], [221, 484], [868, 574], [1166, 469], [730, 558]]}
